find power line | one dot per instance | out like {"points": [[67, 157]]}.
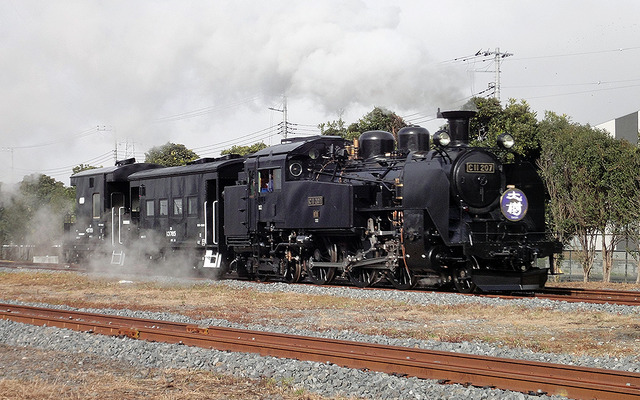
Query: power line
{"points": [[223, 144], [598, 83], [583, 92], [205, 110], [618, 50], [78, 135]]}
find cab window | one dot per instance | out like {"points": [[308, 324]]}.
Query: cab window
{"points": [[270, 180]]}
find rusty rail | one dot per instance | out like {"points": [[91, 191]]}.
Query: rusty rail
{"points": [[628, 298], [594, 296], [508, 374]]}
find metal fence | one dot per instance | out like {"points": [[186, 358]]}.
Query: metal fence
{"points": [[30, 253], [625, 267]]}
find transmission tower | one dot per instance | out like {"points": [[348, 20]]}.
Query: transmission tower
{"points": [[497, 59]]}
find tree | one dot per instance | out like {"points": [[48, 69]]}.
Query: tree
{"points": [[244, 150], [571, 165], [83, 167], [620, 183], [378, 119], [333, 128], [34, 214], [170, 155], [489, 110], [517, 119], [632, 229]]}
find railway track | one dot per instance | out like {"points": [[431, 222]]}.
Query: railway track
{"points": [[508, 374], [627, 298], [41, 266], [595, 296]]}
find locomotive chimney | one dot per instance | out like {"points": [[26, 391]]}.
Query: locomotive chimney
{"points": [[458, 125]]}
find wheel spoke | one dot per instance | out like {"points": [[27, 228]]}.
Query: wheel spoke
{"points": [[292, 271], [362, 277], [401, 279], [321, 275]]}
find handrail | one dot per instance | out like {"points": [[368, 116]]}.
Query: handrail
{"points": [[215, 217], [120, 224], [205, 223], [113, 225]]}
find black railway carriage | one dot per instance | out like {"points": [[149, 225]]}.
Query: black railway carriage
{"points": [[103, 206], [181, 209]]}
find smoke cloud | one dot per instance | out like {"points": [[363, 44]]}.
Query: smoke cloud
{"points": [[71, 66]]}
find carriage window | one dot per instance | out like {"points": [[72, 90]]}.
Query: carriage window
{"points": [[270, 180], [135, 199], [97, 206], [91, 182], [177, 207], [192, 205], [150, 205], [164, 207]]}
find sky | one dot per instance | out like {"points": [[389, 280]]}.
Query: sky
{"points": [[79, 79]]}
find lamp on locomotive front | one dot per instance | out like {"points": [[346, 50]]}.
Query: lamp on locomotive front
{"points": [[506, 141], [441, 139]]}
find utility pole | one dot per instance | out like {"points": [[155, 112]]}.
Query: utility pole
{"points": [[284, 129], [497, 59], [109, 128]]}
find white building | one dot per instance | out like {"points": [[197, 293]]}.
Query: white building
{"points": [[625, 127]]}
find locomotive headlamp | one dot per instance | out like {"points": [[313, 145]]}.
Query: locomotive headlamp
{"points": [[441, 138], [506, 141]]}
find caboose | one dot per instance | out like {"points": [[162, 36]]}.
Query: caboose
{"points": [[103, 210]]}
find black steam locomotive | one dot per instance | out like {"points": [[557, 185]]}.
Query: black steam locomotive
{"points": [[323, 207]]}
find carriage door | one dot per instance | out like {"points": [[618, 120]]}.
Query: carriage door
{"points": [[118, 219], [211, 225]]}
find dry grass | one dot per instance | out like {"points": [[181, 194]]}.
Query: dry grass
{"points": [[33, 375], [538, 329]]}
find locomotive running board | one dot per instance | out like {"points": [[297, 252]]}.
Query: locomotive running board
{"points": [[211, 260]]}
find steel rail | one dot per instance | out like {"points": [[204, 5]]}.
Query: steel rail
{"points": [[508, 374], [602, 296], [26, 265], [629, 298]]}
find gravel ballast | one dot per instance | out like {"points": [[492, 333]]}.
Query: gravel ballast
{"points": [[322, 378]]}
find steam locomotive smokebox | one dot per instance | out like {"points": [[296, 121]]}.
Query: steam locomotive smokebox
{"points": [[413, 138], [376, 143]]}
